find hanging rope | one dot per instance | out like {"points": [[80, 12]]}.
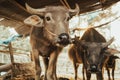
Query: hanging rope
{"points": [[65, 3]]}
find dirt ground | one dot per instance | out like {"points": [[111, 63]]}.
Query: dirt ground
{"points": [[65, 70]]}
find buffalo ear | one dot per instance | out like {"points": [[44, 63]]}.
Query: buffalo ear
{"points": [[34, 20], [111, 51]]}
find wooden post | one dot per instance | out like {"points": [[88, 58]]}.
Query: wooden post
{"points": [[12, 59], [11, 53]]}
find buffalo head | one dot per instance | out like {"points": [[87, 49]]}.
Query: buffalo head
{"points": [[96, 54], [54, 20]]}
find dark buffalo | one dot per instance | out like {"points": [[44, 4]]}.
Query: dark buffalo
{"points": [[111, 63], [91, 50], [49, 33]]}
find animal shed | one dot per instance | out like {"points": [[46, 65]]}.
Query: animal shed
{"points": [[15, 7]]}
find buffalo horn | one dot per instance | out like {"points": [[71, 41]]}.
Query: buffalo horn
{"points": [[76, 10], [35, 11], [107, 43]]}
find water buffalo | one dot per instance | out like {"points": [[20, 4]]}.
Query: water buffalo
{"points": [[91, 50], [111, 63], [49, 33], [75, 57]]}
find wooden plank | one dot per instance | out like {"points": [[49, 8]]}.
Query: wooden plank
{"points": [[5, 67], [4, 51]]}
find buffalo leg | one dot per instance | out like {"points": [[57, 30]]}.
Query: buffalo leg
{"points": [[37, 64], [51, 75], [75, 69], [113, 69], [46, 61], [99, 76], [108, 72], [83, 73], [113, 74], [55, 75], [88, 75]]}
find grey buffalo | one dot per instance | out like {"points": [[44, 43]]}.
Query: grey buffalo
{"points": [[91, 50]]}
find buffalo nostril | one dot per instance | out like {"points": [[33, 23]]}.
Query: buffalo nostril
{"points": [[93, 68], [63, 39], [63, 36]]}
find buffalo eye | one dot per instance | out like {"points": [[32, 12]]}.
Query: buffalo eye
{"points": [[48, 18], [86, 52]]}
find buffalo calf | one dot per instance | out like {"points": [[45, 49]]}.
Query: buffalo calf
{"points": [[49, 34], [110, 64], [75, 57]]}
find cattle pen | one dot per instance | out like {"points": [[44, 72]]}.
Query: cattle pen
{"points": [[36, 38]]}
